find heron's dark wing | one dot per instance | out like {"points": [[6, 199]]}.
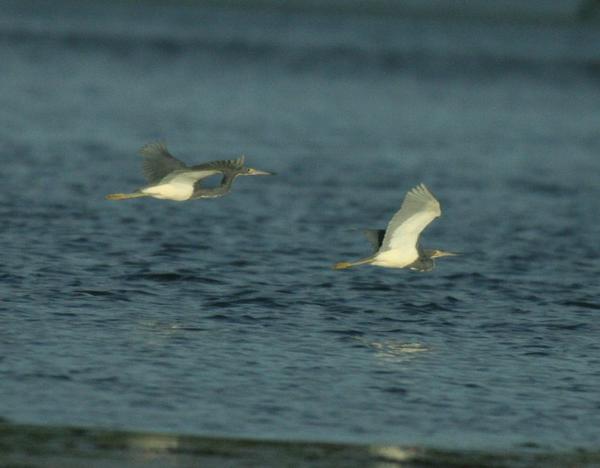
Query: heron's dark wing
{"points": [[375, 237], [224, 166], [158, 162], [418, 209]]}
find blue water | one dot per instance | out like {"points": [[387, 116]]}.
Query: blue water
{"points": [[224, 317]]}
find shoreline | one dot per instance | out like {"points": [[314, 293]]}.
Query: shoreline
{"points": [[50, 446]]}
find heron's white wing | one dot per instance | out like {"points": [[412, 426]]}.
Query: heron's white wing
{"points": [[418, 209], [158, 162]]}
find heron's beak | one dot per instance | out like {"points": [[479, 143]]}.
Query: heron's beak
{"points": [[257, 172], [443, 253]]}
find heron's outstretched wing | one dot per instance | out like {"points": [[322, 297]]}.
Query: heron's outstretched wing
{"points": [[418, 209], [224, 166], [158, 162]]}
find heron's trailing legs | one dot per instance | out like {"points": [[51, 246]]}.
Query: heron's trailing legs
{"points": [[344, 265], [125, 196]]}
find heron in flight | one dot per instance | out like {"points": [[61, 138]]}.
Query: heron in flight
{"points": [[170, 179], [398, 246]]}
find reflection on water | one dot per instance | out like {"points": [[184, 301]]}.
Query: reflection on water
{"points": [[395, 351]]}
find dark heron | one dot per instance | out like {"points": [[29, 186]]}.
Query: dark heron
{"points": [[398, 246], [170, 179]]}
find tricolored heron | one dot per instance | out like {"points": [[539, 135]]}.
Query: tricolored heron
{"points": [[170, 179]]}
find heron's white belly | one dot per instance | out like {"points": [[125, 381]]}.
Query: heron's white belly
{"points": [[170, 191], [396, 258]]}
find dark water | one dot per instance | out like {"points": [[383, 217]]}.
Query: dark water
{"points": [[223, 317]]}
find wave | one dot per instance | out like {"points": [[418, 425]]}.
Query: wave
{"points": [[500, 10], [302, 42]]}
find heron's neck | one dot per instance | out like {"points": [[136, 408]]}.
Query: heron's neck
{"points": [[221, 190], [225, 185]]}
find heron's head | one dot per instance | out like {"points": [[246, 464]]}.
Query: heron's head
{"points": [[441, 253], [251, 171]]}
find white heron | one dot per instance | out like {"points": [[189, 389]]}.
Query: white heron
{"points": [[398, 245]]}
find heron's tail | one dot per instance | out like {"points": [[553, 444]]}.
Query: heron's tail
{"points": [[125, 196]]}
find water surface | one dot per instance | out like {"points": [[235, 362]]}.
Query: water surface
{"points": [[223, 317]]}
